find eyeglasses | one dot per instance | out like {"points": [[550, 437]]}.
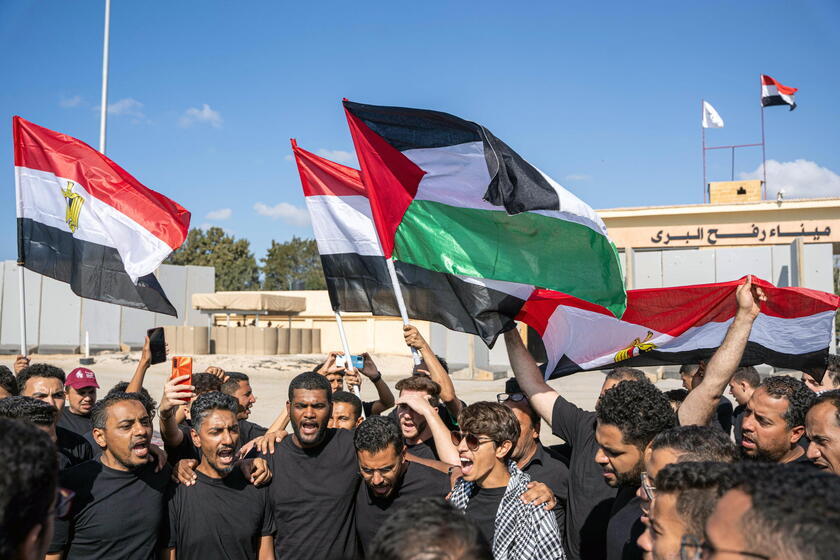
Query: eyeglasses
{"points": [[692, 549], [515, 397], [473, 441], [63, 501], [648, 487]]}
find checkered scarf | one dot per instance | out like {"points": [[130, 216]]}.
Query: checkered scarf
{"points": [[523, 531]]}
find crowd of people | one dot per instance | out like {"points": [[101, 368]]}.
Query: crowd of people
{"points": [[648, 474]]}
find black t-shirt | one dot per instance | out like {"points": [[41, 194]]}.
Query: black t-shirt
{"points": [[482, 509], [76, 423], [249, 430], [545, 468], [723, 415], [625, 526], [418, 481], [738, 422], [184, 450], [115, 514], [313, 492], [73, 449], [590, 497], [424, 450], [219, 518]]}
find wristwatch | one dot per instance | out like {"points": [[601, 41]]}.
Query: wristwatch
{"points": [[377, 378]]}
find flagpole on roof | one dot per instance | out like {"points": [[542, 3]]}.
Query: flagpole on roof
{"points": [[763, 152], [703, 143], [103, 109]]}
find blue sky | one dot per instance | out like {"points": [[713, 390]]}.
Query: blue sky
{"points": [[605, 97]]}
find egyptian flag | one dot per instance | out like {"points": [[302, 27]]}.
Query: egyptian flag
{"points": [[84, 220], [774, 93], [681, 325], [448, 196], [355, 269]]}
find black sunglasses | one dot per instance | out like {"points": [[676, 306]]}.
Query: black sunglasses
{"points": [[473, 441], [515, 397]]}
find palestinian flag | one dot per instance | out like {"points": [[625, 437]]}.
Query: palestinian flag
{"points": [[774, 93], [681, 325], [449, 196], [355, 269], [84, 220]]}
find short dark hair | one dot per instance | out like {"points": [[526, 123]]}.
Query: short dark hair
{"points": [[205, 382], [699, 485], [231, 384], [144, 396], [696, 443], [30, 409], [99, 412], [624, 373], [206, 403], [748, 375], [638, 410], [349, 398], [443, 363], [310, 381], [39, 370], [419, 383], [8, 381], [795, 510], [377, 433], [676, 395], [832, 369], [689, 369], [28, 481], [832, 397], [798, 395], [429, 528], [490, 419]]}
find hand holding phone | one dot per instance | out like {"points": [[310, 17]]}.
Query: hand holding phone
{"points": [[182, 366], [157, 345]]}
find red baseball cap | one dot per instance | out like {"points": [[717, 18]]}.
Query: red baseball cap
{"points": [[80, 378]]}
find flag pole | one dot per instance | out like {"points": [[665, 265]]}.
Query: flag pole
{"points": [[103, 110], [401, 303], [763, 156], [22, 310], [703, 144], [346, 347]]}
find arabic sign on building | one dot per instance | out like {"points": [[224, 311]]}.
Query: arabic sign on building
{"points": [[755, 234]]}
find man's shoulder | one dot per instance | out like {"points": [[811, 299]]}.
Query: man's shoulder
{"points": [[68, 438], [81, 475]]}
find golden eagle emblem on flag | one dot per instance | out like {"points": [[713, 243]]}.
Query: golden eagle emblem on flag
{"points": [[74, 206], [630, 351]]}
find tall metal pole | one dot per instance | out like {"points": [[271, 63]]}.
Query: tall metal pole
{"points": [[395, 283], [763, 157], [103, 111], [703, 143]]}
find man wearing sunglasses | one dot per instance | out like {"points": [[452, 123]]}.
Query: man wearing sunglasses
{"points": [[491, 485], [530, 455], [28, 499], [772, 511]]}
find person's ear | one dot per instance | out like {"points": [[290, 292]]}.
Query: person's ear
{"points": [[30, 546], [796, 433], [289, 408], [195, 439], [359, 420], [647, 452], [99, 437], [504, 449]]}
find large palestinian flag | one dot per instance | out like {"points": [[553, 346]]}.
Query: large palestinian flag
{"points": [[681, 325], [449, 196], [84, 220], [355, 269]]}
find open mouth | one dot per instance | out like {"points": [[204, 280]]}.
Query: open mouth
{"points": [[466, 465], [381, 490], [747, 443], [141, 449], [225, 455], [309, 428]]}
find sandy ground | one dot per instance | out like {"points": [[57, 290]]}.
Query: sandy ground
{"points": [[270, 377]]}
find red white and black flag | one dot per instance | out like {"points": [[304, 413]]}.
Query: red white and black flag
{"points": [[84, 220], [680, 325], [774, 93]]}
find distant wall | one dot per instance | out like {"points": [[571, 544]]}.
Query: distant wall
{"points": [[56, 318]]}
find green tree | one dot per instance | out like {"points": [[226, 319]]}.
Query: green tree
{"points": [[236, 267], [293, 265]]}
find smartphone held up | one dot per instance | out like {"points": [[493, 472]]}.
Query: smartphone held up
{"points": [[181, 366]]}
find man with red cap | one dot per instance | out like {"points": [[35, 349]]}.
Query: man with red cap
{"points": [[81, 387]]}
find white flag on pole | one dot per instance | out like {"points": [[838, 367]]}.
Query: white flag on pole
{"points": [[711, 118]]}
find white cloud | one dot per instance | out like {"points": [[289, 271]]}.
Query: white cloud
{"points": [[798, 179], [126, 107], [220, 214], [288, 213], [338, 156], [577, 177], [70, 102], [205, 115]]}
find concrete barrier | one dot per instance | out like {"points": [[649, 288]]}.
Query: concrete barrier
{"points": [[305, 341], [261, 341], [219, 340], [283, 340], [316, 341], [239, 341], [295, 340]]}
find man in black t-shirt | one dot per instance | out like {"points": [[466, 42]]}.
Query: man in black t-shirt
{"points": [[222, 501], [744, 382], [238, 385], [391, 482], [120, 506], [628, 417], [315, 479], [346, 411], [72, 448], [426, 435], [80, 388]]}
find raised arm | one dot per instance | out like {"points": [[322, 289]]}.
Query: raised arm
{"points": [[540, 396], [173, 396], [435, 369], [446, 450], [700, 404], [369, 370], [139, 376]]}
